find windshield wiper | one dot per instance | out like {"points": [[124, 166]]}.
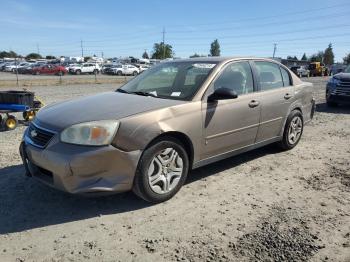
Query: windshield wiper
{"points": [[142, 93], [122, 91]]}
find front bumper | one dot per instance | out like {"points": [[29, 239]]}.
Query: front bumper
{"points": [[80, 169]]}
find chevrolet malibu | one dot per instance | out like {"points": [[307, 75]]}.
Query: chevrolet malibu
{"points": [[177, 116]]}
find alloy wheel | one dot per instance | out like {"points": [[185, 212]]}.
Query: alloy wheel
{"points": [[295, 129], [165, 171]]}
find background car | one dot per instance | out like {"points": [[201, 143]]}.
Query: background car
{"points": [[49, 70], [123, 70], [338, 89], [85, 68], [300, 71]]}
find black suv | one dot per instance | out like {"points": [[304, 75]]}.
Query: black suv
{"points": [[338, 89]]}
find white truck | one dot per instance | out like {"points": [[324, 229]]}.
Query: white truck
{"points": [[85, 68]]}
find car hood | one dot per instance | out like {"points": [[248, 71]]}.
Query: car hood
{"points": [[104, 106], [342, 76]]}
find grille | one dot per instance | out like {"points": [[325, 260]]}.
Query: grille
{"points": [[342, 88], [39, 136]]}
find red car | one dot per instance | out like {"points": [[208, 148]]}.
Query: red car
{"points": [[49, 70]]}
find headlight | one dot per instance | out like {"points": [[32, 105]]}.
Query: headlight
{"points": [[334, 81], [97, 133]]}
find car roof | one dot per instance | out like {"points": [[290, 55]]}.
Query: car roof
{"points": [[219, 59]]}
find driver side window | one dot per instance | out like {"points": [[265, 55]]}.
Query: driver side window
{"points": [[237, 77]]}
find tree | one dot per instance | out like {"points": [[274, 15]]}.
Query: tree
{"points": [[347, 59], [317, 57], [162, 51], [10, 54], [50, 57], [33, 56], [304, 58], [328, 58], [215, 48], [145, 55], [195, 55], [292, 57]]}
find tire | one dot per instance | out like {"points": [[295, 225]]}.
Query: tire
{"points": [[37, 73], [119, 73], [294, 125], [60, 73], [134, 73], [164, 187], [95, 72], [11, 122], [78, 72]]}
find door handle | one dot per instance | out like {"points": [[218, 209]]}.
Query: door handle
{"points": [[253, 103], [288, 96]]}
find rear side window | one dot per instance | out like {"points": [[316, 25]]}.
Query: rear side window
{"points": [[285, 77], [269, 75]]}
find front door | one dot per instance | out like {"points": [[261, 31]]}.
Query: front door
{"points": [[231, 124]]}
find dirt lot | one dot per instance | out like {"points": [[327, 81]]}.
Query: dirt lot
{"points": [[263, 205]]}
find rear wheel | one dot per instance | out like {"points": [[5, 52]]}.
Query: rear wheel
{"points": [[78, 72], [119, 73], [95, 72], [162, 171], [293, 130]]}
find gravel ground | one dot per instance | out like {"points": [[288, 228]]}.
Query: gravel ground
{"points": [[265, 205]]}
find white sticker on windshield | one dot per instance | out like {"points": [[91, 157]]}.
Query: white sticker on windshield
{"points": [[153, 93], [209, 66], [175, 93]]}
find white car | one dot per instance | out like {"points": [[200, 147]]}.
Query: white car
{"points": [[122, 70], [143, 68], [13, 66], [85, 68]]}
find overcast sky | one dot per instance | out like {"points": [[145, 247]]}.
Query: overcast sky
{"points": [[123, 28]]}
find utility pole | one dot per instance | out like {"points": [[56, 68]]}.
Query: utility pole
{"points": [[81, 46], [163, 42], [274, 50], [37, 48]]}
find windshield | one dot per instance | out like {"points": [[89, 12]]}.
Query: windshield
{"points": [[347, 70], [171, 80]]}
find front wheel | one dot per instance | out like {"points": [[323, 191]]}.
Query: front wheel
{"points": [[134, 73], [162, 171], [292, 131]]}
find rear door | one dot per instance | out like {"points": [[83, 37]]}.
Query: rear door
{"points": [[276, 96], [231, 124]]}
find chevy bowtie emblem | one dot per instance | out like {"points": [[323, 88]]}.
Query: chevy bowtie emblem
{"points": [[33, 133]]}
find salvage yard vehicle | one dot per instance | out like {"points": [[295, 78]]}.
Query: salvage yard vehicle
{"points": [[49, 70], [317, 69], [338, 89], [85, 68], [176, 116], [300, 71]]}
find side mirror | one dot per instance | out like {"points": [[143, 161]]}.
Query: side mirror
{"points": [[222, 93]]}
